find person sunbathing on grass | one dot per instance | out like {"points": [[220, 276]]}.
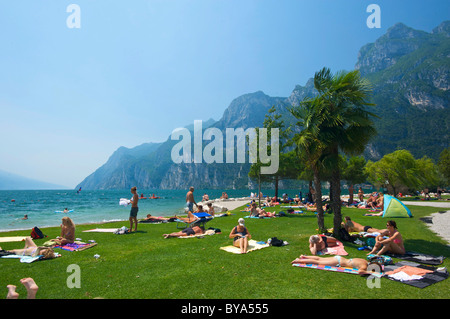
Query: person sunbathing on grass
{"points": [[159, 218], [320, 242], [337, 261], [31, 249], [351, 226], [196, 230]]}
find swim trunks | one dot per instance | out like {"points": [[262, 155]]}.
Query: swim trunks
{"points": [[366, 228], [188, 231], [134, 211], [190, 206]]}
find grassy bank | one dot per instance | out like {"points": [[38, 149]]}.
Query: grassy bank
{"points": [[145, 265]]}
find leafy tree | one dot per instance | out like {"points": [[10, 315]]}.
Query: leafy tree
{"points": [[401, 169], [354, 173], [444, 165]]}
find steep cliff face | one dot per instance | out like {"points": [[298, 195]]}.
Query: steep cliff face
{"points": [[409, 71]]}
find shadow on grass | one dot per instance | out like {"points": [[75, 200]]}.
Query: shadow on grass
{"points": [[427, 247]]}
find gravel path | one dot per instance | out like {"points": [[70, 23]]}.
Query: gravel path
{"points": [[440, 222]]}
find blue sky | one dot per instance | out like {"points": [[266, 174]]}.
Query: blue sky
{"points": [[136, 70]]}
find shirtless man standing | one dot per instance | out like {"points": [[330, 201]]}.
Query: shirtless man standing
{"points": [[134, 209], [190, 200]]}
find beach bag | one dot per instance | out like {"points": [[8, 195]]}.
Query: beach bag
{"points": [[274, 241], [36, 233], [345, 236]]}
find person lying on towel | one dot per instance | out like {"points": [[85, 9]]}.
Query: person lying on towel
{"points": [[336, 261], [196, 230]]}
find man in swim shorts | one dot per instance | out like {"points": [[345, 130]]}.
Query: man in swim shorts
{"points": [[352, 226], [196, 230], [190, 201], [134, 209]]}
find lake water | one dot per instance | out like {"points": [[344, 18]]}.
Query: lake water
{"points": [[95, 206]]}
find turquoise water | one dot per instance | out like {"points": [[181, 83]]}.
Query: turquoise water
{"points": [[95, 206]]}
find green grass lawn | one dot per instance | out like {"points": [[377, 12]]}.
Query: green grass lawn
{"points": [[145, 265]]}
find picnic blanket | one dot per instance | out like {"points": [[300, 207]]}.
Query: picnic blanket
{"points": [[337, 250], [252, 245], [76, 246], [420, 258], [12, 239], [415, 274]]}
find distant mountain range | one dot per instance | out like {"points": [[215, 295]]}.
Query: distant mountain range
{"points": [[409, 71], [10, 181]]}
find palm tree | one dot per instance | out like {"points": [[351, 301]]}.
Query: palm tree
{"points": [[334, 121], [347, 126], [309, 146]]}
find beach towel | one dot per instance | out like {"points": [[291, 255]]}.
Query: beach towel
{"points": [[27, 259], [101, 230], [338, 250], [252, 245], [257, 217], [75, 246], [420, 258], [328, 268], [12, 239], [124, 202], [414, 274]]}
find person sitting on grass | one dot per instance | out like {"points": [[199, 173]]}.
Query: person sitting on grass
{"points": [[67, 232], [195, 230], [31, 249], [240, 236], [320, 242], [337, 261], [393, 244]]}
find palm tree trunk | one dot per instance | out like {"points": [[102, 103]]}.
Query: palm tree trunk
{"points": [[336, 200], [318, 188]]}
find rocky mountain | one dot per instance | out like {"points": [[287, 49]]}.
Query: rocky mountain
{"points": [[409, 71], [9, 181]]}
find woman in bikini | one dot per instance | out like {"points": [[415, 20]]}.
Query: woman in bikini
{"points": [[393, 244], [337, 261], [31, 249], [320, 242], [67, 232]]}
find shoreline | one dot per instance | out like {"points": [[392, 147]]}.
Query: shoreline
{"points": [[438, 222]]}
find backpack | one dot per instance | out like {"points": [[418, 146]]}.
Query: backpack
{"points": [[276, 242], [345, 236], [36, 233]]}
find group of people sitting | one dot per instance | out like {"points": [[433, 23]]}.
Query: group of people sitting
{"points": [[387, 240]]}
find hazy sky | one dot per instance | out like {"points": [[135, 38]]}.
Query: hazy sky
{"points": [[136, 70]]}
